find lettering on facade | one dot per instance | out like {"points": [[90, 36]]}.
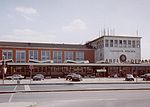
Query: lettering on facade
{"points": [[132, 61], [130, 51]]}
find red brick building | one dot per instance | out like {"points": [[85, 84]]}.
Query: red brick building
{"points": [[39, 51], [22, 53]]}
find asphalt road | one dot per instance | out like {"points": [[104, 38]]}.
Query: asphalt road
{"points": [[82, 99], [7, 88]]}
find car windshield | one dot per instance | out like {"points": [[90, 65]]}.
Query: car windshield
{"points": [[129, 75], [39, 75], [16, 75], [72, 74]]}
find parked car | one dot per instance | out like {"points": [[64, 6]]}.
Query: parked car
{"points": [[38, 77], [143, 76], [115, 76], [129, 77], [77, 77], [15, 77], [70, 75], [74, 77], [146, 77]]}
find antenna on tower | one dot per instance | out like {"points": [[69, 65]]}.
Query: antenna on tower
{"points": [[137, 32], [104, 32], [99, 33], [113, 31], [108, 31]]}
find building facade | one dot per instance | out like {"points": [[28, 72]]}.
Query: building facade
{"points": [[116, 49], [58, 53], [119, 54]]}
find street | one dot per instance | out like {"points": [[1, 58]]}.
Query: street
{"points": [[71, 86], [58, 93], [82, 99]]}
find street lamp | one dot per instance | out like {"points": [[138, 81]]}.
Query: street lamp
{"points": [[31, 68], [3, 66]]}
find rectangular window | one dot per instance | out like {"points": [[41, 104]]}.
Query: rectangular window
{"points": [[106, 43], [129, 43], [8, 54], [124, 43], [138, 44], [68, 55], [57, 56], [20, 56], [33, 54], [45, 55], [120, 43], [116, 43], [111, 43], [79, 56], [133, 44]]}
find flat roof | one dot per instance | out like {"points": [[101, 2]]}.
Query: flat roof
{"points": [[41, 45], [115, 36]]}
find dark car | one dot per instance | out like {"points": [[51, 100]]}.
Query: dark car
{"points": [[38, 77], [77, 77], [129, 77], [70, 75], [15, 77], [146, 77], [74, 77]]}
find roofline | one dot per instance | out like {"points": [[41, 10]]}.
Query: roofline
{"points": [[45, 48], [41, 43], [120, 36], [27, 45], [72, 64]]}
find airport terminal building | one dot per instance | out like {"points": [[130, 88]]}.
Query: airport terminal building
{"points": [[104, 56]]}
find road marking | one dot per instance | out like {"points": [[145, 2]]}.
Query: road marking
{"points": [[88, 99], [12, 94], [27, 88]]}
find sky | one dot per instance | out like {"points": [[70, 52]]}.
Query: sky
{"points": [[74, 21]]}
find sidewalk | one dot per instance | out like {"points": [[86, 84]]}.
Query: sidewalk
{"points": [[85, 80]]}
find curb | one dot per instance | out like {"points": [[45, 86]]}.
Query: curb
{"points": [[76, 90], [73, 83]]}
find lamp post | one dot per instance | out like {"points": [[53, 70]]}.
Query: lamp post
{"points": [[31, 68], [3, 66]]}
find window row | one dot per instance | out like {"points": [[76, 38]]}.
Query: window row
{"points": [[45, 55], [122, 43]]}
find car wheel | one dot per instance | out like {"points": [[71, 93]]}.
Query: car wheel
{"points": [[69, 78]]}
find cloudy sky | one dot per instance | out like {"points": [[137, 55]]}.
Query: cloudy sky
{"points": [[73, 21]]}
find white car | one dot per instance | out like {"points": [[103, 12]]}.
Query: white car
{"points": [[38, 77], [129, 77], [15, 77]]}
